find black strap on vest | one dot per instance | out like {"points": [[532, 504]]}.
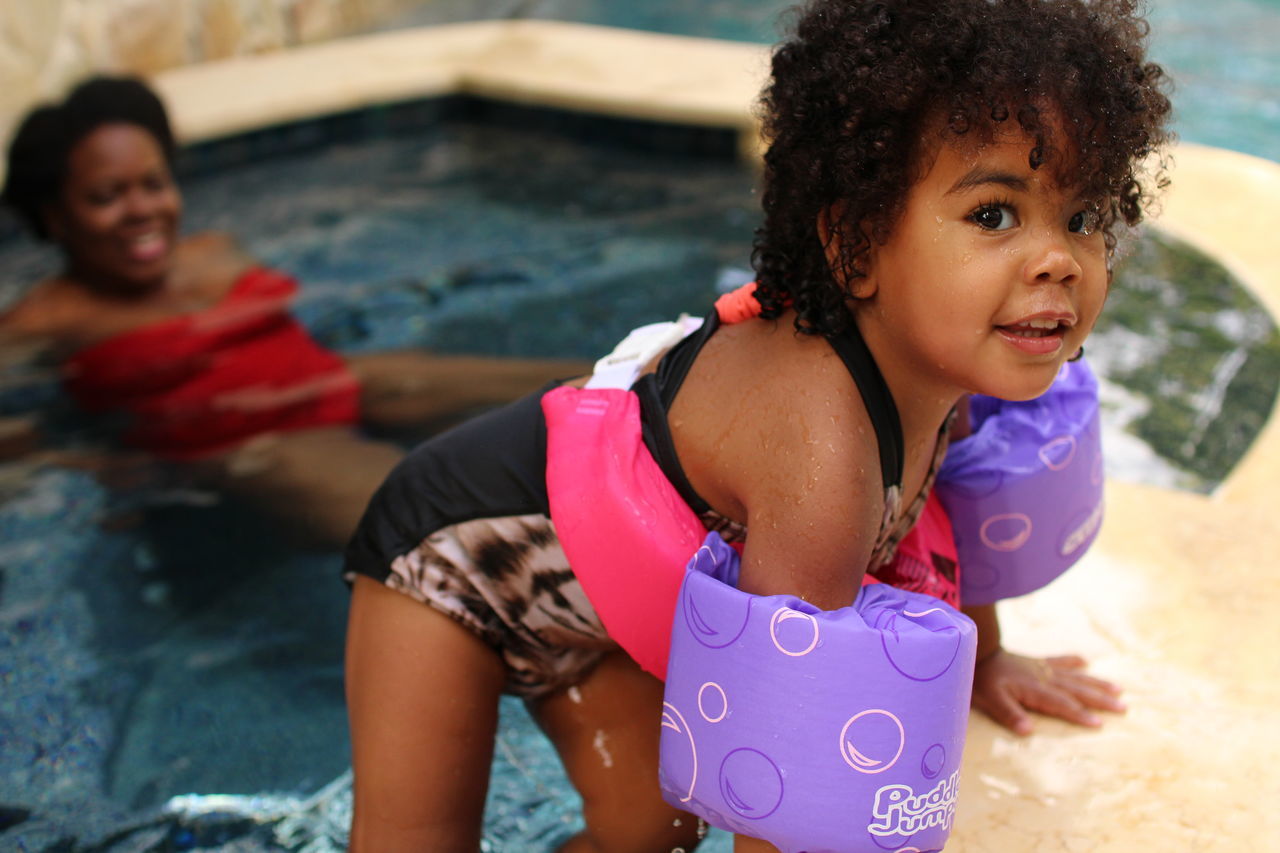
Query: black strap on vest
{"points": [[876, 396], [658, 390]]}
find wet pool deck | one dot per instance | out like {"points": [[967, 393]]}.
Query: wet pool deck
{"points": [[1180, 598]]}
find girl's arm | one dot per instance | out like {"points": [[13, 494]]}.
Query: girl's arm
{"points": [[813, 515], [771, 431], [1006, 686]]}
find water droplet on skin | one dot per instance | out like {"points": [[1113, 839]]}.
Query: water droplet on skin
{"points": [[598, 743]]}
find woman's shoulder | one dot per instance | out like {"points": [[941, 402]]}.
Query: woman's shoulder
{"points": [[210, 262], [213, 249]]}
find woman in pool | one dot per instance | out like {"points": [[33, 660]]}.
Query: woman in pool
{"points": [[191, 338], [942, 190]]}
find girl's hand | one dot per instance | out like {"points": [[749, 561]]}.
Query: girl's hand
{"points": [[1006, 686]]}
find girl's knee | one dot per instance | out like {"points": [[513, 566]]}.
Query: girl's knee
{"points": [[628, 829]]}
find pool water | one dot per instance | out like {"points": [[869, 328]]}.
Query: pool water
{"points": [[176, 656]]}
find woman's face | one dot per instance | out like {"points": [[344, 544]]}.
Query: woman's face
{"points": [[117, 215]]}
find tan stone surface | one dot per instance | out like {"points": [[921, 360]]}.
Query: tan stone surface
{"points": [[221, 98], [573, 66], [315, 20], [1177, 602], [219, 28], [144, 36], [47, 45], [26, 44], [599, 69]]}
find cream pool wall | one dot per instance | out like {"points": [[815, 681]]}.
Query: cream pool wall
{"points": [[1179, 600]]}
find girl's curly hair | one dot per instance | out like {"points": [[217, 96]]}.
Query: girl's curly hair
{"points": [[862, 83]]}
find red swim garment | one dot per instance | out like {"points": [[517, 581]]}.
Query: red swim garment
{"points": [[201, 383]]}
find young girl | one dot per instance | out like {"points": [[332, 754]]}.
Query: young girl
{"points": [[942, 187]]}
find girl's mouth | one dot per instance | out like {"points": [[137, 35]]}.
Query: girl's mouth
{"points": [[1035, 328], [1035, 337]]}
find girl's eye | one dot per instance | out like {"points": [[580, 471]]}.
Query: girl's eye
{"points": [[994, 217], [1084, 222]]}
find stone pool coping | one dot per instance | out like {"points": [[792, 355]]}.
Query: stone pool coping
{"points": [[1176, 600]]}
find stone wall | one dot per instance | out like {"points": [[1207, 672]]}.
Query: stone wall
{"points": [[46, 45]]}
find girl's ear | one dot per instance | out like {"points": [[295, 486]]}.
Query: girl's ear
{"points": [[830, 233]]}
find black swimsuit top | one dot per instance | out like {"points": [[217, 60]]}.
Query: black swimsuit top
{"points": [[658, 390]]}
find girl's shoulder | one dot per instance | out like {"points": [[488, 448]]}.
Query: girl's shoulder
{"points": [[775, 432], [802, 397], [778, 409], [785, 373]]}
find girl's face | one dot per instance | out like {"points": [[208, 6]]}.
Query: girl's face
{"points": [[991, 278], [117, 215]]}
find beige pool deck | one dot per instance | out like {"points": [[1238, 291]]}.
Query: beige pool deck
{"points": [[1179, 600]]}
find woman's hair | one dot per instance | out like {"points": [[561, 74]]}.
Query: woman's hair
{"points": [[866, 88], [41, 147]]}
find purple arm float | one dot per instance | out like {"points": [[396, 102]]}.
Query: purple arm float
{"points": [[1024, 491], [835, 731]]}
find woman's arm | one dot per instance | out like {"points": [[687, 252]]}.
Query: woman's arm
{"points": [[24, 361]]}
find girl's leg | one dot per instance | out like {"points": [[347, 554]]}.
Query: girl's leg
{"points": [[422, 696], [606, 731], [412, 390]]}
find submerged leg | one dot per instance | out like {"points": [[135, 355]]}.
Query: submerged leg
{"points": [[606, 731], [422, 697], [406, 390], [315, 483]]}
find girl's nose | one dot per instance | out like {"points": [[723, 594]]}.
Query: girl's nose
{"points": [[1053, 260]]}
